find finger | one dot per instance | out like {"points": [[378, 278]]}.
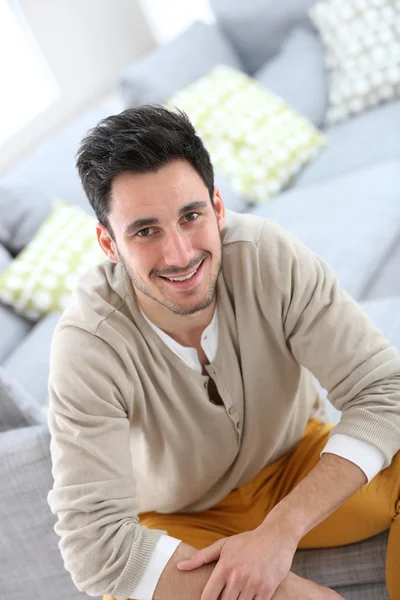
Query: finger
{"points": [[231, 592], [201, 557], [249, 595], [214, 587], [230, 595]]}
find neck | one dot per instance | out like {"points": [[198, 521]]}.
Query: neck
{"points": [[185, 329]]}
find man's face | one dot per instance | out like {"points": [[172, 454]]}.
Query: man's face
{"points": [[167, 236]]}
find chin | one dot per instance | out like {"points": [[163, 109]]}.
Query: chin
{"points": [[191, 307]]}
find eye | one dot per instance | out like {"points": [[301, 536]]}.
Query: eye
{"points": [[146, 232], [191, 216]]}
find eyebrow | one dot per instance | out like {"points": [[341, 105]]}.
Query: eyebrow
{"points": [[149, 222]]}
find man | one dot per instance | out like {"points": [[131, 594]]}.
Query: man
{"points": [[181, 390]]}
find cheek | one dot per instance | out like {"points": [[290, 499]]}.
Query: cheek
{"points": [[135, 258], [145, 258], [207, 238]]}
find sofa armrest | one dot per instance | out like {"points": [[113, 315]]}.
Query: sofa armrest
{"points": [[30, 562]]}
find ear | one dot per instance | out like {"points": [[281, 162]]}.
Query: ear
{"points": [[106, 243], [219, 207]]}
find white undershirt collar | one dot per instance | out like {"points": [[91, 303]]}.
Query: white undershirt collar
{"points": [[209, 343]]}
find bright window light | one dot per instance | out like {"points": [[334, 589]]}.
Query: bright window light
{"points": [[27, 87]]}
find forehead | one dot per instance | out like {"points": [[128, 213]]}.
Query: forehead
{"points": [[157, 192]]}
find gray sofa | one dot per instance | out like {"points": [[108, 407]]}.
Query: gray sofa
{"points": [[345, 205]]}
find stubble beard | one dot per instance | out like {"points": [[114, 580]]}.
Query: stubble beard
{"points": [[178, 309]]}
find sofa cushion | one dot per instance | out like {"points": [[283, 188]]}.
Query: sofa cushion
{"points": [[351, 221], [17, 407], [5, 257], [22, 210], [232, 200], [13, 329], [360, 141], [29, 363], [257, 28], [154, 78], [257, 141], [29, 189], [30, 561], [41, 278], [362, 45], [298, 75]]}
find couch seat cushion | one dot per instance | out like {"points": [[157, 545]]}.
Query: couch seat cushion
{"points": [[361, 565], [351, 221], [359, 141]]}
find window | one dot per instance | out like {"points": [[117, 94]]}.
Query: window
{"points": [[27, 87]]}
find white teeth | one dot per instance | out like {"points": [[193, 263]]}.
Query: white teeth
{"points": [[184, 278]]}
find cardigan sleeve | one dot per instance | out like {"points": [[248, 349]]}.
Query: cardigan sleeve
{"points": [[104, 547], [328, 333]]}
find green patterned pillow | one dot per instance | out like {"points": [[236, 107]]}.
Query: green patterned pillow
{"points": [[256, 140], [41, 278]]}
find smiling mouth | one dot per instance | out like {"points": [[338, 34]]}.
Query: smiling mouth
{"points": [[183, 277]]}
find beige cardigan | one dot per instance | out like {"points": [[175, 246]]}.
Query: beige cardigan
{"points": [[133, 428]]}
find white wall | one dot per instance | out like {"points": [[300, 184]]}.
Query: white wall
{"points": [[168, 18], [85, 44]]}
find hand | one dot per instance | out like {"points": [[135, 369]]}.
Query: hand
{"points": [[249, 565], [294, 587]]}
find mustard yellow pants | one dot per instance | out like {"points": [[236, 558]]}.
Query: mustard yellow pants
{"points": [[371, 510]]}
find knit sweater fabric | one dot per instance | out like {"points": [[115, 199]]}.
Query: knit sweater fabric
{"points": [[133, 428]]}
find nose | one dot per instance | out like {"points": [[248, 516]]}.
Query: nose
{"points": [[178, 249]]}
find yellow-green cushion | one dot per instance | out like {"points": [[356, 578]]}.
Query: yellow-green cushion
{"points": [[41, 278], [256, 140]]}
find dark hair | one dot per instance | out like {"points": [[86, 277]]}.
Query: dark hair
{"points": [[138, 140]]}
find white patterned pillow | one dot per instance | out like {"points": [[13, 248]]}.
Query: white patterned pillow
{"points": [[362, 42], [254, 138], [41, 278]]}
